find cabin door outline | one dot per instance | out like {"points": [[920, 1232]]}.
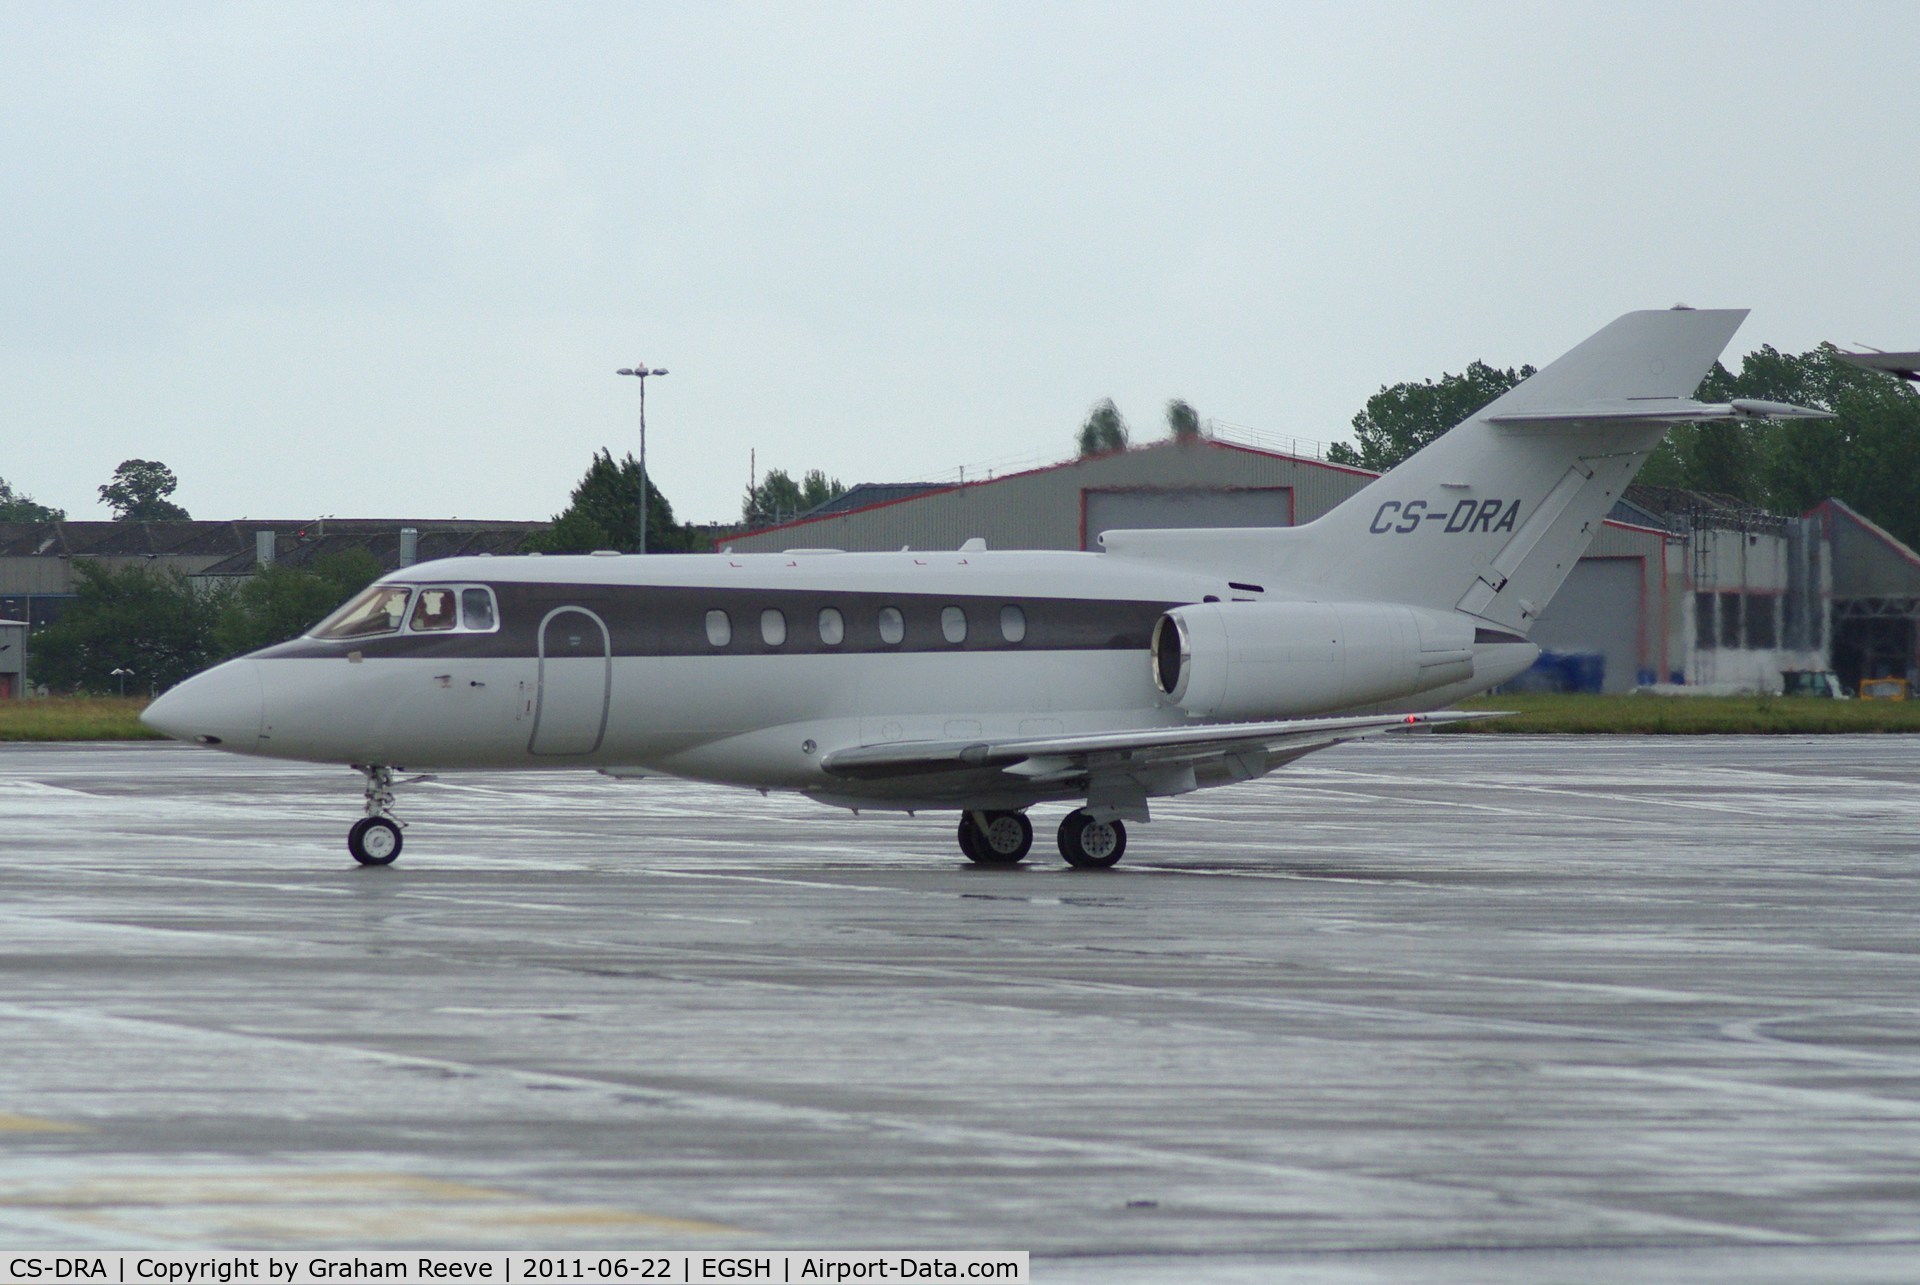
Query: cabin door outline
{"points": [[576, 679]]}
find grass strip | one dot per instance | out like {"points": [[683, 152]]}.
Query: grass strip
{"points": [[75, 718], [1633, 715]]}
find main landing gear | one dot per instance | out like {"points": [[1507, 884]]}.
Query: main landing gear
{"points": [[1005, 838], [996, 838], [374, 840]]}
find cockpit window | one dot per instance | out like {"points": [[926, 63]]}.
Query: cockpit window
{"points": [[434, 610], [378, 609]]}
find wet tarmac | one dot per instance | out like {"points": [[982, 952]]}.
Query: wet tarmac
{"points": [[1440, 1009]]}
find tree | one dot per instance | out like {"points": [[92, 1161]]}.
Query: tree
{"points": [[282, 602], [779, 498], [1183, 421], [150, 621], [139, 491], [1105, 429], [16, 506], [604, 513], [1400, 419]]}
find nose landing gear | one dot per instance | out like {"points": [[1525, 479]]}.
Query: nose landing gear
{"points": [[374, 840]]}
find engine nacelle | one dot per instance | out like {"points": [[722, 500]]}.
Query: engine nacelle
{"points": [[1249, 660]]}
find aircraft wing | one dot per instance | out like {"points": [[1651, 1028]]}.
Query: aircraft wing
{"points": [[1045, 758]]}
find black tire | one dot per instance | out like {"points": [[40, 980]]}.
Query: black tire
{"points": [[1091, 845], [374, 841], [1007, 839]]}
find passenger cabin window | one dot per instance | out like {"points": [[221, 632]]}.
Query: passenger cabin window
{"points": [[476, 610], [833, 626], [1013, 623], [953, 624], [378, 609], [893, 626], [719, 628], [433, 611], [773, 628]]}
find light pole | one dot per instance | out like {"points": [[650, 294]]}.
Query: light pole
{"points": [[639, 371]]}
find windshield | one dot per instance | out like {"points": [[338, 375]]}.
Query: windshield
{"points": [[378, 609]]}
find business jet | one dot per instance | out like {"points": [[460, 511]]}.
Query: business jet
{"points": [[985, 682]]}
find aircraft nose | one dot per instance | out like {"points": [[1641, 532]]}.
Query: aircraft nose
{"points": [[222, 706]]}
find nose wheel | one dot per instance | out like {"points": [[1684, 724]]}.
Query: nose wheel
{"points": [[374, 839]]}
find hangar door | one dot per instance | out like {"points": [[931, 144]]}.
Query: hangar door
{"points": [[1600, 609], [1152, 508]]}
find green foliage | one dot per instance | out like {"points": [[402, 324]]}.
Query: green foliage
{"points": [[779, 498], [139, 491], [283, 602], [18, 507], [1105, 429], [1183, 421], [604, 513], [152, 622], [1400, 419], [1868, 456]]}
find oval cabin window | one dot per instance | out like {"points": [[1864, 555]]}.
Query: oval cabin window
{"points": [[953, 624], [893, 626], [719, 628], [833, 626], [773, 628], [1013, 623]]}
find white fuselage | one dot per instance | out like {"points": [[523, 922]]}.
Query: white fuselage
{"points": [[614, 662]]}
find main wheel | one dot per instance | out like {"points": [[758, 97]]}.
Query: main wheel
{"points": [[1089, 844], [1005, 840], [374, 841]]}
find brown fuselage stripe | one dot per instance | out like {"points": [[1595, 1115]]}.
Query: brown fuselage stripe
{"points": [[650, 620]]}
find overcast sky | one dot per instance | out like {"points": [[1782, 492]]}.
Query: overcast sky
{"points": [[382, 259]]}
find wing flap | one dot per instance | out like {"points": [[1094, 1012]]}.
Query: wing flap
{"points": [[1057, 757]]}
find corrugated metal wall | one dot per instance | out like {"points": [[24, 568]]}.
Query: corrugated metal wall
{"points": [[1044, 509]]}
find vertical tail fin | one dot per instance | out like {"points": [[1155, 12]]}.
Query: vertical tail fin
{"points": [[1491, 516]]}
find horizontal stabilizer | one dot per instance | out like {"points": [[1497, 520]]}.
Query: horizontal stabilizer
{"points": [[1654, 410]]}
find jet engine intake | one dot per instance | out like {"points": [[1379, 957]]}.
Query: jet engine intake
{"points": [[1253, 660]]}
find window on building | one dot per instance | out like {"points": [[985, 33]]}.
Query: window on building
{"points": [[833, 626], [1760, 628], [953, 624], [773, 627], [893, 626], [1705, 636], [1730, 631], [1013, 623], [719, 628]]}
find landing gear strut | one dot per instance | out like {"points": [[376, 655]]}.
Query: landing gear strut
{"points": [[1089, 844], [374, 840], [995, 838]]}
